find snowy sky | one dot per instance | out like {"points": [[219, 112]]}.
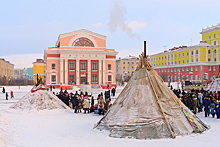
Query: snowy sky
{"points": [[27, 27]]}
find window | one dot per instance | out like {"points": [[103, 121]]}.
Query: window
{"points": [[110, 66], [172, 56], [191, 77], [196, 68], [183, 54], [197, 52], [162, 70], [187, 61], [94, 79], [214, 35], [128, 63], [159, 70], [192, 60], [209, 37], [171, 70], [214, 59], [162, 64], [71, 65], [197, 60], [175, 69], [183, 78], [165, 70], [182, 69], [214, 43], [197, 77], [187, 69], [53, 78], [109, 78], [165, 57], [132, 63], [179, 62], [187, 54], [191, 68], [71, 78], [209, 51], [168, 70], [53, 66], [183, 61], [175, 56], [123, 67], [192, 52], [175, 62], [187, 78], [128, 67], [209, 59], [83, 65], [132, 67], [210, 68], [179, 55], [162, 58], [214, 68], [83, 42], [123, 62], [215, 51], [179, 69], [94, 66]]}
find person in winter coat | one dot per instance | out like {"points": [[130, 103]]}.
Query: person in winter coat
{"points": [[194, 104], [189, 102], [76, 102], [101, 104], [3, 90], [217, 108], [113, 91], [86, 104], [213, 110], [107, 105], [206, 104], [12, 94], [92, 101], [6, 95]]}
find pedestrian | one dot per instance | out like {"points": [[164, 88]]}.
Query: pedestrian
{"points": [[76, 102], [213, 110], [3, 90], [12, 94], [50, 87], [194, 104], [206, 104], [6, 95], [101, 104], [217, 108], [86, 104]]}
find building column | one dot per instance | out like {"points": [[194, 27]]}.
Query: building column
{"points": [[89, 71], [77, 72], [212, 51], [61, 71], [167, 60], [100, 72], [66, 72], [104, 71]]}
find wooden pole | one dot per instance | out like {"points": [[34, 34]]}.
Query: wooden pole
{"points": [[160, 104], [145, 50]]}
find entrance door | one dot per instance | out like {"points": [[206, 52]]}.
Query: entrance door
{"points": [[83, 80]]}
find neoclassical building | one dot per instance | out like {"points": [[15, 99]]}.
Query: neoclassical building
{"points": [[79, 57]]}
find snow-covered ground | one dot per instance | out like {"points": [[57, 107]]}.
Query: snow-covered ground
{"points": [[61, 128]]}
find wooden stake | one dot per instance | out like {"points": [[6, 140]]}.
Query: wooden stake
{"points": [[160, 105]]}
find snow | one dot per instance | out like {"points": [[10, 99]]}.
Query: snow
{"points": [[61, 127]]}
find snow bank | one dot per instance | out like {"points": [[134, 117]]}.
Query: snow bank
{"points": [[39, 100], [3, 131]]}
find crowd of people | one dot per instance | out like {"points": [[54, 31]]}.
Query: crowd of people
{"points": [[82, 101], [198, 100], [6, 93]]}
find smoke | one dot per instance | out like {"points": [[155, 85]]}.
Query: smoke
{"points": [[118, 20]]}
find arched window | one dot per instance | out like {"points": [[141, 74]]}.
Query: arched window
{"points": [[83, 42]]}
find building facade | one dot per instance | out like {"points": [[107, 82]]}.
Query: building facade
{"points": [[126, 67], [6, 71], [39, 68], [191, 63], [20, 74], [80, 57], [30, 73]]}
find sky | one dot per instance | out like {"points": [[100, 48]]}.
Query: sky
{"points": [[28, 27]]}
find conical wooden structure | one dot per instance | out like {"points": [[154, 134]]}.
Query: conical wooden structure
{"points": [[147, 108]]}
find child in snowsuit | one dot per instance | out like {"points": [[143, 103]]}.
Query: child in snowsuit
{"points": [[213, 110]]}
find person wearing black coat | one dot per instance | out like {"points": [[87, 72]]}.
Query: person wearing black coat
{"points": [[3, 90], [6, 95], [76, 102], [92, 101], [113, 91], [206, 104]]}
